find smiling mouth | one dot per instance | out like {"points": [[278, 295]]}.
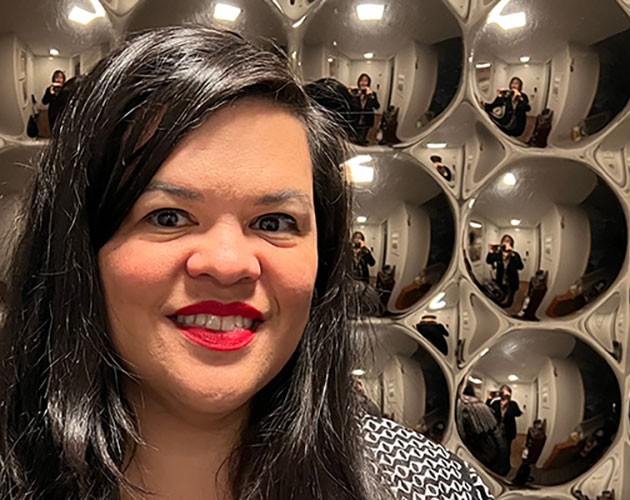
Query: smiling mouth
{"points": [[215, 323], [217, 333]]}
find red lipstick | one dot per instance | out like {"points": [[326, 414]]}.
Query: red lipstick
{"points": [[221, 309], [219, 340]]}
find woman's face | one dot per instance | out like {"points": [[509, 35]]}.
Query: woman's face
{"points": [[60, 78], [364, 82], [515, 84], [209, 280]]}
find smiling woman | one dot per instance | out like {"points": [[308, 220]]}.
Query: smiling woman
{"points": [[178, 320]]}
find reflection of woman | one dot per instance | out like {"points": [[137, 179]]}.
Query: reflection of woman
{"points": [[363, 257], [510, 107], [505, 411], [51, 94], [366, 101], [507, 263], [175, 327]]}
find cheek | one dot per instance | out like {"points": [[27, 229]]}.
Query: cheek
{"points": [[293, 278], [133, 275]]}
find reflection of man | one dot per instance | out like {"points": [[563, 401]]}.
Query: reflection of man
{"points": [[507, 263], [442, 169], [505, 411], [362, 257]]}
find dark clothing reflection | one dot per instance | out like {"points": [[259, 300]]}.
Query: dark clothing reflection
{"points": [[505, 415], [363, 258], [509, 112], [506, 266]]}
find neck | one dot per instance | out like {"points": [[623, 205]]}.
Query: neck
{"points": [[182, 458]]}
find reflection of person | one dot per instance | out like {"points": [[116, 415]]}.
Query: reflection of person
{"points": [[366, 101], [434, 332], [505, 411], [510, 107], [164, 306], [363, 257], [507, 263], [479, 429], [51, 94], [442, 169]]}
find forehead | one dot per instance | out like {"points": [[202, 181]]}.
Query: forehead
{"points": [[251, 144]]}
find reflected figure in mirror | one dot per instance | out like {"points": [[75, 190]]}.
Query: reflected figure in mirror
{"points": [[509, 110], [363, 257], [442, 169], [479, 429], [434, 332], [506, 263], [505, 411], [52, 93], [365, 102]]}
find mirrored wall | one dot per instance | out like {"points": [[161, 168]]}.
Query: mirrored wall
{"points": [[545, 238], [541, 407], [401, 65], [402, 381], [552, 72], [403, 230]]}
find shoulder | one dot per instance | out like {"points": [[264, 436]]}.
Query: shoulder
{"points": [[413, 466]]}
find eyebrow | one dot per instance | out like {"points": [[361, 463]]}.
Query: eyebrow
{"points": [[173, 189], [286, 195], [267, 199]]}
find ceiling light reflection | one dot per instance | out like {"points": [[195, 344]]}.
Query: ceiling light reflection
{"points": [[370, 11]]}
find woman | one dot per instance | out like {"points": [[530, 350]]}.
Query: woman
{"points": [[505, 412], [365, 102], [363, 258], [507, 263], [51, 94], [509, 109], [178, 325]]}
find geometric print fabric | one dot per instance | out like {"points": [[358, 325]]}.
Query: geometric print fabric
{"points": [[416, 468]]}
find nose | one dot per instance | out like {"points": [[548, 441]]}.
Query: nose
{"points": [[225, 254]]}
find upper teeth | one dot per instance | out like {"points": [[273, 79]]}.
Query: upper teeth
{"points": [[212, 322]]}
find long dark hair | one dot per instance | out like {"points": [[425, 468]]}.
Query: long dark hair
{"points": [[65, 425]]}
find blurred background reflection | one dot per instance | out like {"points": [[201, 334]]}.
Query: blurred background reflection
{"points": [[545, 238], [539, 407]]}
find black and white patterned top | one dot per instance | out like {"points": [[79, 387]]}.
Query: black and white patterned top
{"points": [[416, 468]]}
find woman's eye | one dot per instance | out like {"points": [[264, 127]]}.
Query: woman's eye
{"points": [[169, 218], [275, 223]]}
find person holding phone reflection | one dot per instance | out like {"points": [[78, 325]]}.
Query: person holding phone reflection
{"points": [[178, 323], [505, 411], [363, 258], [52, 93], [509, 109], [365, 102], [507, 263]]}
